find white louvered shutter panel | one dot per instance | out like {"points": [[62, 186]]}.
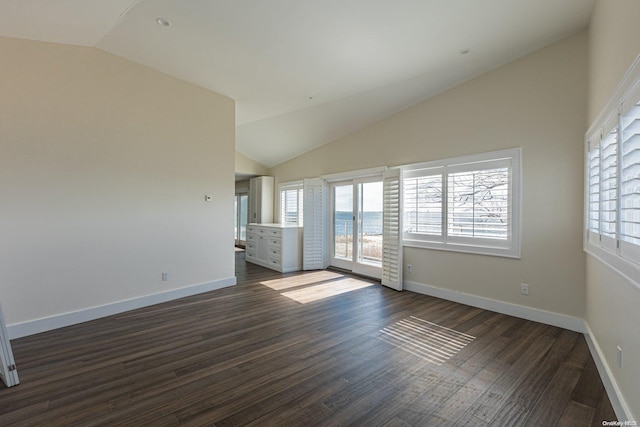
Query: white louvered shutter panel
{"points": [[630, 179], [391, 230], [479, 198], [422, 200], [593, 189], [609, 185], [313, 257]]}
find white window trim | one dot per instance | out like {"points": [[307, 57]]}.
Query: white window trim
{"points": [[297, 185], [349, 175], [628, 86], [478, 246]]}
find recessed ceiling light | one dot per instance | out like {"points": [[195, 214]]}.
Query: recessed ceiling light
{"points": [[465, 51], [309, 97], [163, 22]]}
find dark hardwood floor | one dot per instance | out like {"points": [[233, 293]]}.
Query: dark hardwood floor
{"points": [[306, 349]]}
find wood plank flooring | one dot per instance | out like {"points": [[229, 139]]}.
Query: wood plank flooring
{"points": [[306, 349]]}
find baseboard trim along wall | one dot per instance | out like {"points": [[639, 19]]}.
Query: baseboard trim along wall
{"points": [[547, 317], [32, 327], [622, 410]]}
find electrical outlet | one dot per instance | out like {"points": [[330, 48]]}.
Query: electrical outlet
{"points": [[409, 268], [165, 277], [524, 289], [619, 356]]}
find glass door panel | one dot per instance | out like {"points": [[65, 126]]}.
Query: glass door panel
{"points": [[357, 226], [370, 223], [343, 222]]}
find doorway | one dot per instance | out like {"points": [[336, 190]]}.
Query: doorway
{"points": [[356, 226]]}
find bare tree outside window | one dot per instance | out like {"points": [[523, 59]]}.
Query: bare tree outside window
{"points": [[423, 205], [478, 204]]}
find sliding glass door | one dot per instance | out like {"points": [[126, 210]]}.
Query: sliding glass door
{"points": [[357, 226]]}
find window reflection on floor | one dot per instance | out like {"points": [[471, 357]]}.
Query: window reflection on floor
{"points": [[425, 339]]}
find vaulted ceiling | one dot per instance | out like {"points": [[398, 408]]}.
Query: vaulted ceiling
{"points": [[305, 72]]}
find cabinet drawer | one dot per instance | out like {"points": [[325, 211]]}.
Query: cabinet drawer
{"points": [[275, 253], [275, 263], [271, 232], [250, 246], [261, 232], [250, 255], [251, 229], [275, 242], [251, 237]]}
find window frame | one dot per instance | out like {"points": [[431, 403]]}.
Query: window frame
{"points": [[510, 247], [622, 256], [289, 186]]}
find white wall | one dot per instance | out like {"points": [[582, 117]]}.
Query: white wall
{"points": [[538, 103], [103, 170], [612, 302]]}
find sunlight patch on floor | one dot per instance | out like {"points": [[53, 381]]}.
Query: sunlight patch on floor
{"points": [[326, 290], [301, 280], [431, 342]]}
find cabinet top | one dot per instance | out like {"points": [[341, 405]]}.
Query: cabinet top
{"points": [[274, 225]]}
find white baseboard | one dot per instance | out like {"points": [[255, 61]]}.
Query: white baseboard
{"points": [[622, 410], [547, 317], [18, 330]]}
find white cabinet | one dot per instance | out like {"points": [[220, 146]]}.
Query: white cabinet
{"points": [[261, 199], [275, 246]]}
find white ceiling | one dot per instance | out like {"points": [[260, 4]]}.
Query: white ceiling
{"points": [[305, 72]]}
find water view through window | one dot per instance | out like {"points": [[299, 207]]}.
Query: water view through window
{"points": [[368, 214]]}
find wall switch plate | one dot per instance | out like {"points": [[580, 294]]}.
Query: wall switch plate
{"points": [[409, 268], [524, 289], [165, 277]]}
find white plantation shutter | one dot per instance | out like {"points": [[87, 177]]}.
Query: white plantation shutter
{"points": [[630, 179], [314, 207], [609, 185], [593, 189], [291, 209], [422, 200], [613, 232], [391, 230], [465, 204], [478, 202]]}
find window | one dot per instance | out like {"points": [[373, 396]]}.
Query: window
{"points": [[612, 180], [291, 203], [423, 203], [467, 204]]}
